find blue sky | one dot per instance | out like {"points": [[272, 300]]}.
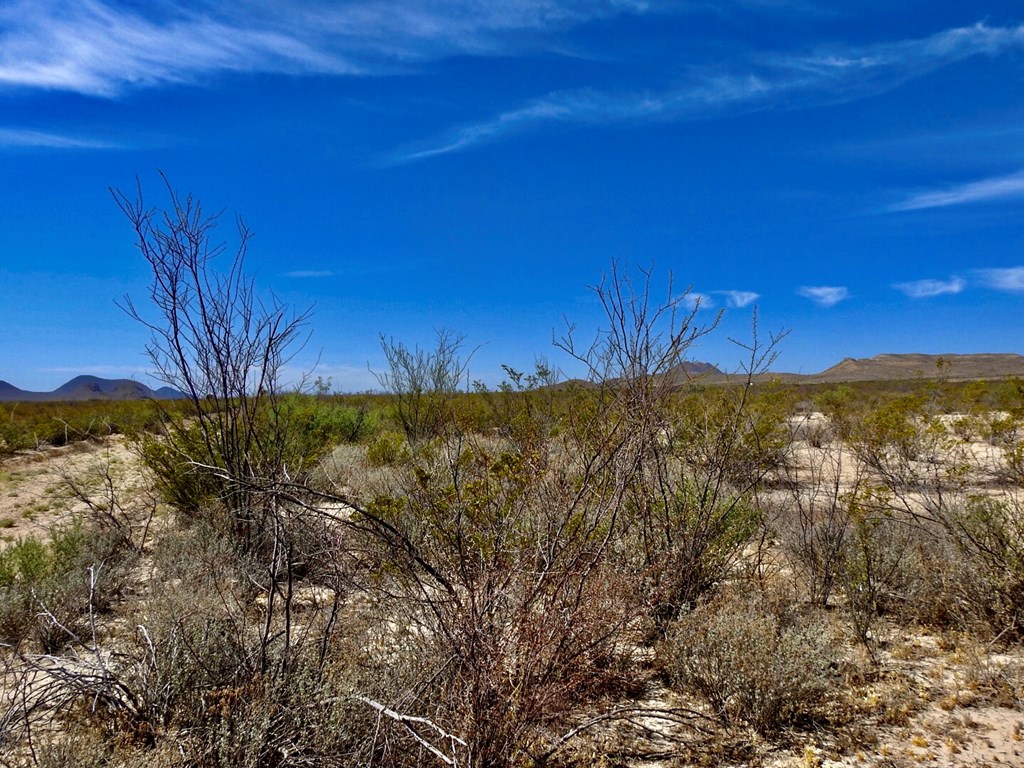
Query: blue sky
{"points": [[854, 169]]}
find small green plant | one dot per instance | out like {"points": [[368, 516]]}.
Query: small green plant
{"points": [[47, 587], [386, 449], [26, 561]]}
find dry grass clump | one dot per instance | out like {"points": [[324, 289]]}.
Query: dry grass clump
{"points": [[754, 664]]}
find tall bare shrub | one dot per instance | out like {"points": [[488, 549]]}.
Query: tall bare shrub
{"points": [[213, 338]]}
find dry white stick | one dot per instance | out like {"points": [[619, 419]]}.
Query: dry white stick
{"points": [[409, 720]]}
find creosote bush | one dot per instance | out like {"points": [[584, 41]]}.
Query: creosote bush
{"points": [[499, 571]]}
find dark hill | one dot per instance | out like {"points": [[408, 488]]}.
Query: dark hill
{"points": [[10, 392], [688, 370], [89, 388]]}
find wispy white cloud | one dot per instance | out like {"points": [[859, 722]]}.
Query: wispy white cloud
{"points": [[1007, 279], [695, 300], [923, 289], [824, 295], [995, 188], [739, 299], [772, 82], [302, 273], [104, 47], [99, 47], [21, 138]]}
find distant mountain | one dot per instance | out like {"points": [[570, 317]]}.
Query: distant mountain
{"points": [[10, 392], [887, 367], [169, 393], [695, 368], [688, 370], [90, 388], [909, 366]]}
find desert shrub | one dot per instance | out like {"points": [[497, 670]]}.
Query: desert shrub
{"points": [[734, 433], [26, 560], [945, 589], [315, 424], [840, 404], [423, 384], [875, 565], [218, 667], [989, 532], [188, 488], [526, 406], [812, 520], [14, 436], [221, 345], [899, 434], [386, 449], [767, 668], [688, 541], [79, 747], [48, 588], [283, 722], [494, 568], [288, 438]]}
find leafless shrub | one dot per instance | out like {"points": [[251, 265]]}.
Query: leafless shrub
{"points": [[123, 513], [213, 339], [814, 518], [423, 383]]}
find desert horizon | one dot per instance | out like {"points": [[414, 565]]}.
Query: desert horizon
{"points": [[521, 384]]}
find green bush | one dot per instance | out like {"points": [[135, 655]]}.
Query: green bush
{"points": [[188, 488], [692, 542], [316, 424], [387, 449], [990, 534]]}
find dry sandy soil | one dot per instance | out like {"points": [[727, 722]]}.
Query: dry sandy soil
{"points": [[35, 492]]}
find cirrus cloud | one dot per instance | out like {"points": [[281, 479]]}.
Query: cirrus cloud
{"points": [[923, 289], [306, 273], [24, 138], [984, 190], [739, 299], [773, 81], [1007, 279], [106, 47], [824, 295]]}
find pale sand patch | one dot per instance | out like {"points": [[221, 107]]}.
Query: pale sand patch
{"points": [[34, 492]]}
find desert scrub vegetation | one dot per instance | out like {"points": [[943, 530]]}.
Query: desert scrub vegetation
{"points": [[631, 567], [31, 425]]}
